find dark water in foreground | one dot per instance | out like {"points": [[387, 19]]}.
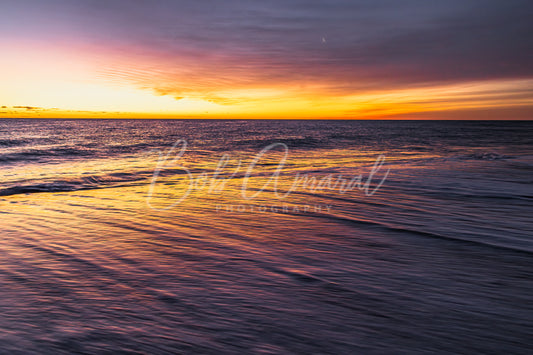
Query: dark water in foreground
{"points": [[107, 248]]}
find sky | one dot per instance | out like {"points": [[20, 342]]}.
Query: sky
{"points": [[341, 59]]}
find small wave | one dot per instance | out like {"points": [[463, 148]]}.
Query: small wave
{"points": [[85, 183], [56, 186], [91, 182], [8, 143], [39, 154], [491, 243], [292, 142], [129, 148], [482, 156]]}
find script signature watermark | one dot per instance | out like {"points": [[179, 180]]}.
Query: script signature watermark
{"points": [[215, 182]]}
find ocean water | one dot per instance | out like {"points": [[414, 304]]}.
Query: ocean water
{"points": [[290, 237]]}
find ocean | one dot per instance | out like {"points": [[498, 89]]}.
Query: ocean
{"points": [[266, 236]]}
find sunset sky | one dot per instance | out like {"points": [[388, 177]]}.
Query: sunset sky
{"points": [[344, 59]]}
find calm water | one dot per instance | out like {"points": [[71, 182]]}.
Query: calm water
{"points": [[112, 242]]}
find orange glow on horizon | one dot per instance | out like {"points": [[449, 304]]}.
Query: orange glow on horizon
{"points": [[84, 82]]}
